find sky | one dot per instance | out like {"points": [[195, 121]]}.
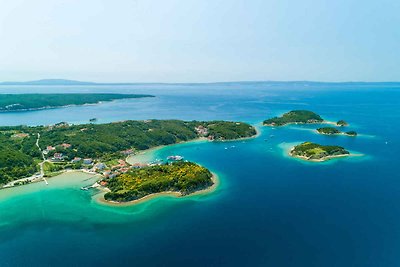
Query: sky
{"points": [[200, 40]]}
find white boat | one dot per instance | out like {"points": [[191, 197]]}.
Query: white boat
{"points": [[177, 157]]}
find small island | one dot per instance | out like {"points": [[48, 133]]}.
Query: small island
{"points": [[316, 152], [328, 130], [294, 117], [342, 123], [181, 178], [25, 102], [351, 133], [334, 131]]}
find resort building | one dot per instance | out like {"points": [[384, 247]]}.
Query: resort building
{"points": [[100, 166], [64, 145], [76, 160], [57, 157], [87, 161]]}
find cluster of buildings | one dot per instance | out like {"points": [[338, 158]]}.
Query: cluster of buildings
{"points": [[203, 131], [87, 161], [59, 125], [52, 148], [57, 157], [121, 167]]}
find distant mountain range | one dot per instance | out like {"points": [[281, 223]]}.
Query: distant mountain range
{"points": [[64, 82], [49, 82]]}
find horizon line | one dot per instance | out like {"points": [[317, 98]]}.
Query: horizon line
{"points": [[59, 81]]}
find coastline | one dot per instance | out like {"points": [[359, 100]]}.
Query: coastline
{"points": [[335, 134], [258, 133], [44, 179], [301, 123], [101, 200], [131, 157], [321, 159]]}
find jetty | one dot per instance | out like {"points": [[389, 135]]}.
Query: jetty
{"points": [[85, 188]]}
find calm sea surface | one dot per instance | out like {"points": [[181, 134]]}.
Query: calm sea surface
{"points": [[269, 209]]}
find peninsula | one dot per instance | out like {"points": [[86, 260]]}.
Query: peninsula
{"points": [[24, 102], [32, 153], [294, 117], [179, 177], [316, 152]]}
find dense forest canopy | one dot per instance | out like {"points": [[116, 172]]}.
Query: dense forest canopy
{"points": [[20, 154], [182, 177]]}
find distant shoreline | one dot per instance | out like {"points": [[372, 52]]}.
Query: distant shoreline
{"points": [[66, 82], [32, 102]]}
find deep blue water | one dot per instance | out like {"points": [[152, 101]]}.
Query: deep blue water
{"points": [[270, 210]]}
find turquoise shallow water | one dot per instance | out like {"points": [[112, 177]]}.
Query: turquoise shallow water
{"points": [[269, 210]]}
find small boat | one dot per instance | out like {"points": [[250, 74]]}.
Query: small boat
{"points": [[84, 188]]}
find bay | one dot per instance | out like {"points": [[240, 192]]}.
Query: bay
{"points": [[269, 209]]}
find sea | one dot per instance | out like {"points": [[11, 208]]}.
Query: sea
{"points": [[268, 210]]}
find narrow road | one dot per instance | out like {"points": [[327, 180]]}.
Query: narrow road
{"points": [[44, 159]]}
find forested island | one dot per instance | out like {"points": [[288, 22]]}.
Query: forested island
{"points": [[342, 123], [316, 152], [41, 151], [24, 102], [334, 131], [179, 177], [294, 117]]}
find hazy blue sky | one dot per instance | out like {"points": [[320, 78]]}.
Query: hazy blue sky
{"points": [[200, 40]]}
